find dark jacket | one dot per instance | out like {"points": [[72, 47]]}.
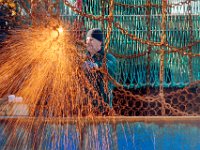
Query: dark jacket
{"points": [[96, 78]]}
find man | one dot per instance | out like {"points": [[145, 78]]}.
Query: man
{"points": [[95, 56]]}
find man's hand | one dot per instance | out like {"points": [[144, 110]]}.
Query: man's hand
{"points": [[89, 65]]}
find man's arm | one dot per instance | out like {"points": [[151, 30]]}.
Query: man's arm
{"points": [[111, 65]]}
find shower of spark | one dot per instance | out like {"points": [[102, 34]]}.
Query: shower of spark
{"points": [[43, 66]]}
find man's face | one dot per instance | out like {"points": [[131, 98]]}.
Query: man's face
{"points": [[93, 45]]}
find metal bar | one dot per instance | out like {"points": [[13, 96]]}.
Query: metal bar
{"points": [[103, 119]]}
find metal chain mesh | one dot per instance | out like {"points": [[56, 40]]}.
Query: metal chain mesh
{"points": [[158, 54]]}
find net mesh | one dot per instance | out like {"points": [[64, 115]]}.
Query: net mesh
{"points": [[155, 42]]}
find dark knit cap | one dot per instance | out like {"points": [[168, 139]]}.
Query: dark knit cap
{"points": [[95, 33]]}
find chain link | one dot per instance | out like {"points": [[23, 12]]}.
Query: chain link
{"points": [[181, 3], [81, 13]]}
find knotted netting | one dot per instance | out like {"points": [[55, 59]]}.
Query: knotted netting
{"points": [[156, 43]]}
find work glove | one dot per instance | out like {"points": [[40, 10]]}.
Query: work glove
{"points": [[88, 65]]}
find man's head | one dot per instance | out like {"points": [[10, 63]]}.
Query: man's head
{"points": [[94, 40]]}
